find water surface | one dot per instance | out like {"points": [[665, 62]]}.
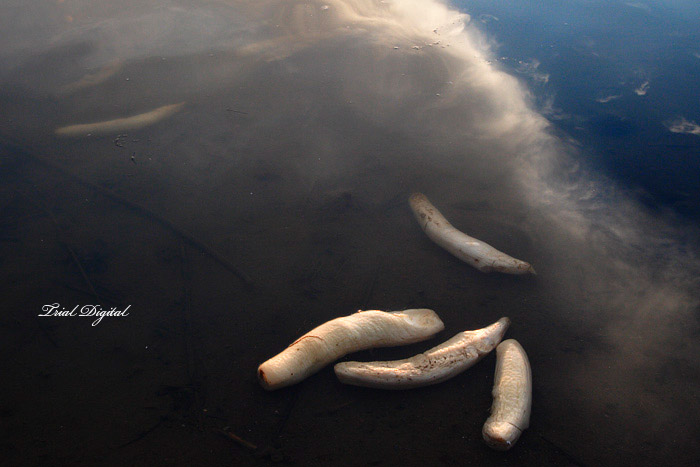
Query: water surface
{"points": [[275, 199]]}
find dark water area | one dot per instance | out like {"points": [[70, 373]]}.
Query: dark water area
{"points": [[618, 77], [249, 181]]}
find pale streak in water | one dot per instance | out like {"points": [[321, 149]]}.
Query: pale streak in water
{"points": [[116, 125]]}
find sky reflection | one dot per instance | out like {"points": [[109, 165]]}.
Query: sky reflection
{"points": [[347, 107]]}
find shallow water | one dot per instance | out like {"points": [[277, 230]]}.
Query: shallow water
{"points": [[276, 199]]}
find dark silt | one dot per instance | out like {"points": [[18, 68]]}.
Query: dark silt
{"points": [[275, 199]]}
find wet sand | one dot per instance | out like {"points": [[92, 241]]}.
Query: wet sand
{"points": [[295, 169]]}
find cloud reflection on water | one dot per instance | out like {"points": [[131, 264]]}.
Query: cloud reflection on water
{"points": [[419, 70], [631, 274]]}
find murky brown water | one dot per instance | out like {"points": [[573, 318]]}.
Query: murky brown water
{"points": [[276, 199]]}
